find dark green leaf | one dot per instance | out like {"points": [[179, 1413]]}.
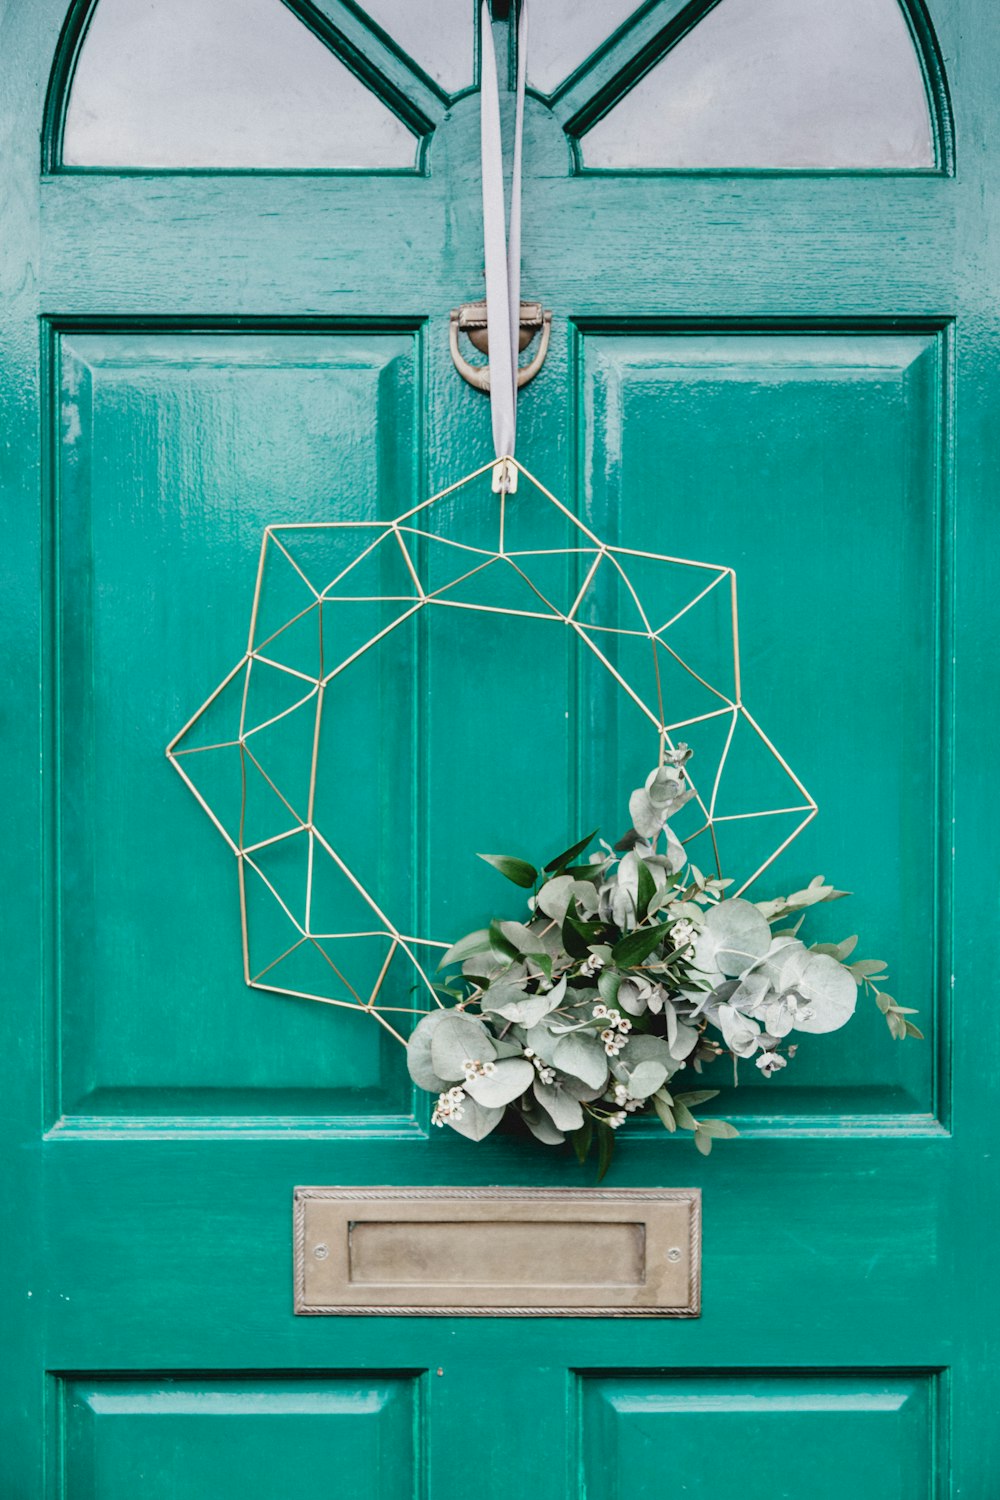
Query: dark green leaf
{"points": [[501, 944], [568, 855], [583, 1139], [605, 1149], [517, 870], [646, 889], [638, 945], [577, 935]]}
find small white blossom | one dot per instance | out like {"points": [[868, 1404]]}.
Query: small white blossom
{"points": [[599, 1011], [449, 1106], [619, 1119]]}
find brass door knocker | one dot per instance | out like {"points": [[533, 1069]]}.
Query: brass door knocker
{"points": [[470, 319]]}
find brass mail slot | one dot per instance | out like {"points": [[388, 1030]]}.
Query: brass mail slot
{"points": [[490, 1252]]}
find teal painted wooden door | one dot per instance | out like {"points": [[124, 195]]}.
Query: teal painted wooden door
{"points": [[789, 371]]}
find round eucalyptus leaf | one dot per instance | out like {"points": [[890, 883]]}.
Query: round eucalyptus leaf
{"points": [[564, 1110], [584, 1057], [418, 1053], [477, 1120], [555, 896], [508, 1081], [541, 1126], [734, 936], [646, 1079], [646, 1049], [741, 1034], [830, 993], [457, 1040]]}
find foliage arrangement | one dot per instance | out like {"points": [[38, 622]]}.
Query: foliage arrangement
{"points": [[630, 973]]}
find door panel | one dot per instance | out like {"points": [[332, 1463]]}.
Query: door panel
{"points": [[166, 479], [812, 462], [760, 1435], [163, 1437]]}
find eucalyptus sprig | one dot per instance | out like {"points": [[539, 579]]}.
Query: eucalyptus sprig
{"points": [[630, 972]]}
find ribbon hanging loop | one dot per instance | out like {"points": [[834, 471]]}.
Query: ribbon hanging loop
{"points": [[502, 247]]}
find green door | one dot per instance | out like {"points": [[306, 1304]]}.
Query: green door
{"points": [[233, 237]]}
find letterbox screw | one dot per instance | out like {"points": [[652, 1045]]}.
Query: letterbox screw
{"points": [[321, 1252], [673, 1253]]}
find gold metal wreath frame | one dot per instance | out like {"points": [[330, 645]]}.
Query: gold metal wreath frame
{"points": [[403, 542]]}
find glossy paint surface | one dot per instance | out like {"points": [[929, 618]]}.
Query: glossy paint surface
{"points": [[794, 374]]}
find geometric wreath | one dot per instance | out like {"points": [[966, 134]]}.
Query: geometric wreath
{"points": [[257, 754]]}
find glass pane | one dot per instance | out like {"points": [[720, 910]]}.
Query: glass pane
{"points": [[221, 83], [777, 83], [565, 32], [438, 35]]}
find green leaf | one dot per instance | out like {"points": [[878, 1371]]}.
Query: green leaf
{"points": [[455, 1040], [605, 1149], [665, 1113], [683, 1115], [583, 1139], [563, 1108], [914, 1031], [477, 1120], [500, 944], [609, 983], [577, 935], [583, 1057], [645, 1079], [522, 938], [733, 937], [511, 1076], [516, 870], [696, 1097], [704, 1142], [867, 968], [646, 889], [568, 855], [720, 1129], [541, 1125], [630, 951], [418, 1053], [468, 947]]}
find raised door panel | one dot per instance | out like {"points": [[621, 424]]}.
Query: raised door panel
{"points": [[174, 451], [212, 1438], [757, 1435], [812, 462]]}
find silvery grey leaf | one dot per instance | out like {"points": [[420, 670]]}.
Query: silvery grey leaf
{"points": [[584, 1057], [477, 1120], [508, 1081], [741, 1033], [645, 1079], [418, 1053], [734, 936], [564, 1110], [542, 1126], [830, 993], [455, 1040]]}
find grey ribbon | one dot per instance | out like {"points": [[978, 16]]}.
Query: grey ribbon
{"points": [[502, 246]]}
